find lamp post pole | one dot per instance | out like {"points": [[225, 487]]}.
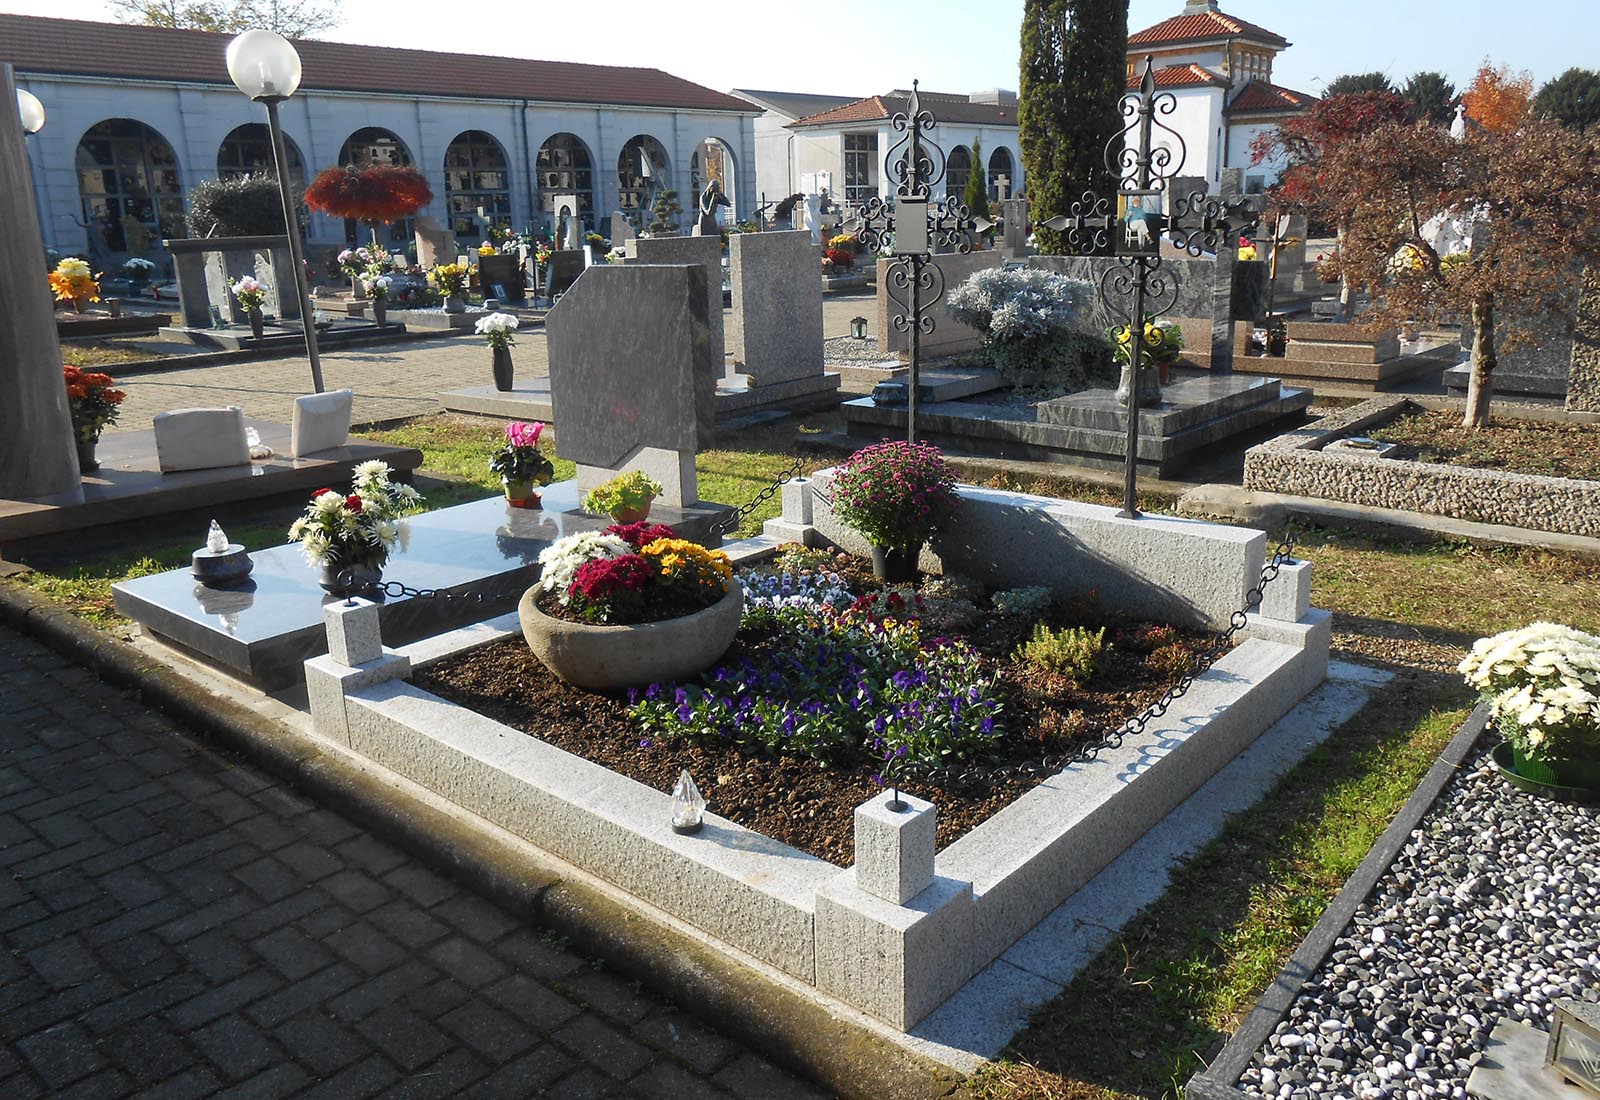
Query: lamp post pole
{"points": [[291, 226]]}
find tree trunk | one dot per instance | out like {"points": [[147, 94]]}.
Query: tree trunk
{"points": [[1480, 385]]}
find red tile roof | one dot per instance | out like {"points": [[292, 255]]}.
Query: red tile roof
{"points": [[946, 107], [1181, 76], [1204, 27], [36, 45], [1260, 96]]}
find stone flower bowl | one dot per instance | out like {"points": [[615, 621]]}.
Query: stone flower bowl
{"points": [[605, 657]]}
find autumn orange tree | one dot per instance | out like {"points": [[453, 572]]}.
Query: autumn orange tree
{"points": [[1530, 194], [1498, 99]]}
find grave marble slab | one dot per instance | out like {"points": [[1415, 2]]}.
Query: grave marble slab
{"points": [[777, 295], [262, 631], [1183, 405], [1192, 278], [705, 253], [628, 349]]}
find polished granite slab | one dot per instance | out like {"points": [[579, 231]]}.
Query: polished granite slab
{"points": [[480, 557], [1183, 405], [129, 484]]}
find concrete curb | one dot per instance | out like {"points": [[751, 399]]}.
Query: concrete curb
{"points": [[794, 1030], [1218, 1080]]}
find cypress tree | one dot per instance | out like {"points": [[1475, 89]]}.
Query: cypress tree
{"points": [[976, 195], [1073, 77]]}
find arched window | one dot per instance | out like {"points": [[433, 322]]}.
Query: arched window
{"points": [[713, 160], [247, 151], [476, 178], [565, 168], [1001, 165], [957, 170], [374, 145], [128, 182], [642, 169]]}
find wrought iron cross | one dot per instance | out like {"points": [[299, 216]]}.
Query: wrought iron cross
{"points": [[912, 227], [1131, 224]]}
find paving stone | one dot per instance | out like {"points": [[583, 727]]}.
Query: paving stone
{"points": [[454, 1074], [584, 1084], [532, 1002], [278, 1083], [60, 1054], [686, 1039], [751, 1078], [147, 1052], [409, 1040], [292, 953], [409, 925], [479, 920], [619, 998], [366, 1078], [236, 1047], [528, 1075], [366, 947], [218, 955], [385, 989], [466, 962], [597, 1043], [319, 1043]]}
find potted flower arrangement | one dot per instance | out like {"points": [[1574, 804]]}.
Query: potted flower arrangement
{"points": [[349, 538], [496, 329], [839, 259], [250, 294], [625, 498], [450, 282], [354, 263], [898, 495], [73, 283], [632, 604], [92, 401], [1161, 346], [377, 288], [521, 465], [137, 270], [1542, 686]]}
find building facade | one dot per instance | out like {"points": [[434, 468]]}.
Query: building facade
{"points": [[136, 116], [1219, 69]]}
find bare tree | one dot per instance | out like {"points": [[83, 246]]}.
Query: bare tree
{"points": [[290, 18]]}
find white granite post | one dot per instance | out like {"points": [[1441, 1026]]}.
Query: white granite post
{"points": [[894, 847], [356, 658], [37, 452]]}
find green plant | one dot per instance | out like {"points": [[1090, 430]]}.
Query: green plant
{"points": [[664, 214], [1030, 601], [520, 459], [1572, 99], [976, 193], [1073, 77], [1073, 652], [896, 494], [627, 492], [243, 206]]}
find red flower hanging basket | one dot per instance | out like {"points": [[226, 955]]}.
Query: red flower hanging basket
{"points": [[377, 193]]}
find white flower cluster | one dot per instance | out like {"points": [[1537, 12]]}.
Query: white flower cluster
{"points": [[775, 591], [560, 561], [495, 323], [1545, 678], [1019, 304], [73, 267], [330, 528], [246, 285]]}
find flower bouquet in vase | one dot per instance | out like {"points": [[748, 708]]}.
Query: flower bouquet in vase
{"points": [[897, 495], [496, 329], [349, 538], [625, 498], [1542, 687], [250, 294], [72, 282], [449, 281], [93, 402], [521, 465], [377, 288], [354, 262]]}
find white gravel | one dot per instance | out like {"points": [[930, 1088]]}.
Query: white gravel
{"points": [[1490, 912]]}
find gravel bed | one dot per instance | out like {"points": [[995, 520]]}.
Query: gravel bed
{"points": [[1491, 911], [850, 351]]}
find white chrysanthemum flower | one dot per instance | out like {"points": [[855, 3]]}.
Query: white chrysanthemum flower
{"points": [[329, 502]]}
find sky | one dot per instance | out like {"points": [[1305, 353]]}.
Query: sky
{"points": [[876, 45]]}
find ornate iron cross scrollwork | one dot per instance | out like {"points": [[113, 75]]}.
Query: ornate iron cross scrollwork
{"points": [[1144, 157], [910, 228]]}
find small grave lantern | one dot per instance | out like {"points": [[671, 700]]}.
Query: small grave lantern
{"points": [[1574, 1050], [688, 805], [858, 327], [220, 563]]}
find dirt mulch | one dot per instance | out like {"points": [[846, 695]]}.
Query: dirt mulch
{"points": [[1550, 448], [793, 799]]}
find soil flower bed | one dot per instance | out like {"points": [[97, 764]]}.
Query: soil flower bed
{"points": [[1550, 448], [835, 683]]}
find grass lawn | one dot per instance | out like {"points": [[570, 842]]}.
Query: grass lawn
{"points": [[102, 354], [1140, 1019]]}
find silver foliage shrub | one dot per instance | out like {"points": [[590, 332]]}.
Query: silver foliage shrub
{"points": [[1034, 324]]}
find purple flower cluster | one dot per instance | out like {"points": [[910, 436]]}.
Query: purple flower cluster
{"points": [[896, 494]]}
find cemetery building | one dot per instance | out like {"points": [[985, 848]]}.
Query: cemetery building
{"points": [[1219, 68], [841, 150], [136, 116]]}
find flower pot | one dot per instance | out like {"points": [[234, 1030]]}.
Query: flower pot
{"points": [[258, 324], [896, 565], [86, 460], [1575, 781], [456, 303], [607, 657], [632, 515], [521, 494], [1277, 342], [357, 291], [348, 580], [1164, 371], [80, 304], [380, 311], [502, 369]]}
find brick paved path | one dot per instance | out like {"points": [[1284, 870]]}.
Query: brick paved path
{"points": [[178, 925]]}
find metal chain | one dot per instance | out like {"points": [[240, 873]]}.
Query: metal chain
{"points": [[1134, 725], [395, 589], [731, 524]]}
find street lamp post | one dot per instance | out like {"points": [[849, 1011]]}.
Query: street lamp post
{"points": [[266, 68]]}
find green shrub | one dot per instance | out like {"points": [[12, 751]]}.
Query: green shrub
{"points": [[1073, 652], [245, 206]]}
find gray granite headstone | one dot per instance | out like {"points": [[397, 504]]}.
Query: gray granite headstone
{"points": [[1222, 297], [37, 456], [1583, 381], [435, 244], [1014, 245], [628, 347], [1192, 278], [622, 232], [562, 270], [777, 296], [706, 253]]}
